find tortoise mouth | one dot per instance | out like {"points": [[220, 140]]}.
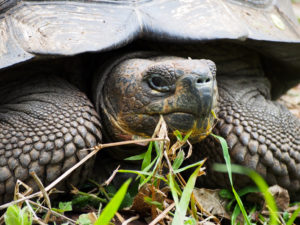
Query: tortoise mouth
{"points": [[177, 120], [185, 122], [179, 113]]}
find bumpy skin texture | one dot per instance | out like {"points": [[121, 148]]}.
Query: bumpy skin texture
{"points": [[44, 122], [137, 91], [261, 134]]}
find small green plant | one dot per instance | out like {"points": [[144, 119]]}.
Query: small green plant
{"points": [[63, 207], [16, 216], [169, 158], [84, 220]]}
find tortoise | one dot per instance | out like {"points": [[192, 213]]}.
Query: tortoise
{"points": [[137, 60]]}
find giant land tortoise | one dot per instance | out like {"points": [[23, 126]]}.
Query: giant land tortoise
{"points": [[137, 60]]}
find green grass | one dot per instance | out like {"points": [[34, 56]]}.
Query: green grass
{"points": [[151, 174]]}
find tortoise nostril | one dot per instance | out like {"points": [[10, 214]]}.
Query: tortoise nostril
{"points": [[207, 80], [203, 80], [199, 81]]}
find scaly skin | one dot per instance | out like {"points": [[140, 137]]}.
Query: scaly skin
{"points": [[44, 122], [261, 134]]}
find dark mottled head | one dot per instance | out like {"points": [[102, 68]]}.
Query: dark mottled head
{"points": [[136, 91]]}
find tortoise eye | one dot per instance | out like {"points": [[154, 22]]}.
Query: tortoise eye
{"points": [[158, 83]]}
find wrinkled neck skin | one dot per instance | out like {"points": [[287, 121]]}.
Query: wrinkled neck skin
{"points": [[135, 92]]}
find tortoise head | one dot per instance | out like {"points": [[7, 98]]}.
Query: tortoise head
{"points": [[136, 91]]}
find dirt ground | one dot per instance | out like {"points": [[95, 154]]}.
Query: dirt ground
{"points": [[292, 100]]}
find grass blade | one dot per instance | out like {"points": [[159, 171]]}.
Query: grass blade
{"points": [[178, 160], [112, 207], [229, 171], [157, 160], [185, 199], [147, 160], [200, 163], [248, 190], [293, 217], [224, 193], [187, 136], [173, 189], [235, 214], [178, 135], [226, 155], [242, 208], [143, 174], [136, 157]]}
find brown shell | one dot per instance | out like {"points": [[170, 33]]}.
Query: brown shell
{"points": [[41, 28]]}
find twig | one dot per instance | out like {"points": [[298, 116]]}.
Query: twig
{"points": [[120, 218], [53, 212], [108, 181], [41, 187], [207, 219], [31, 210], [168, 162], [126, 222], [46, 196], [17, 194], [162, 215], [38, 221]]}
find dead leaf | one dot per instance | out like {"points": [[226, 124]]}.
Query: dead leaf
{"points": [[211, 201], [139, 204], [92, 216], [281, 197]]}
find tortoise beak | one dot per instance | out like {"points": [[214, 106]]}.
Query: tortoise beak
{"points": [[189, 108], [194, 94]]}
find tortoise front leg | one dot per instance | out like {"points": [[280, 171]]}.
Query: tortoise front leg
{"points": [[261, 134], [44, 122]]}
